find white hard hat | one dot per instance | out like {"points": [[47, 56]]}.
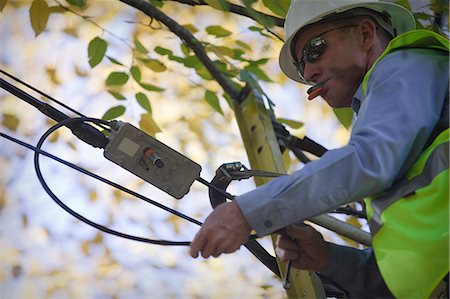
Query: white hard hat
{"points": [[302, 13]]}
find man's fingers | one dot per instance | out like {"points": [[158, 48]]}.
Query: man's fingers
{"points": [[197, 244], [210, 250], [286, 243], [286, 255], [302, 233]]}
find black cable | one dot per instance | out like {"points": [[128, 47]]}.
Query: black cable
{"points": [[221, 191], [39, 151], [47, 96], [41, 179]]}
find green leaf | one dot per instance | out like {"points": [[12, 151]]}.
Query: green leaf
{"points": [[218, 31], [193, 62], [176, 58], [156, 3], [115, 61], [117, 95], [151, 87], [77, 3], [229, 100], [255, 28], [143, 101], [148, 125], [153, 64], [140, 47], [221, 50], [218, 4], [243, 45], [344, 115], [422, 16], [204, 73], [114, 112], [191, 28], [135, 73], [163, 51], [266, 22], [258, 72], [96, 51], [117, 78], [185, 49], [2, 4], [237, 54], [213, 101], [39, 12], [260, 61], [279, 7], [57, 9], [291, 123], [404, 3]]}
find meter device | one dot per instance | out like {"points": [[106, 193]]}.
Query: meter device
{"points": [[150, 159]]}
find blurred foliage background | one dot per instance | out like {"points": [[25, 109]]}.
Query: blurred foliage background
{"points": [[106, 59]]}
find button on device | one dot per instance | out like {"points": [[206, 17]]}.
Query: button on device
{"points": [[268, 223]]}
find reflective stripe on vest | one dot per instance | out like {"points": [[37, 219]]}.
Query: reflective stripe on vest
{"points": [[410, 221], [437, 163]]}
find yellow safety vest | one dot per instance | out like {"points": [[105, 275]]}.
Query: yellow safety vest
{"points": [[410, 221]]}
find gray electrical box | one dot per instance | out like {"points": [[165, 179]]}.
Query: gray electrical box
{"points": [[151, 160]]}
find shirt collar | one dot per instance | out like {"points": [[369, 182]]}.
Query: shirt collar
{"points": [[358, 98]]}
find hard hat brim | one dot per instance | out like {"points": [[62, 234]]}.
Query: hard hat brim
{"points": [[401, 18]]}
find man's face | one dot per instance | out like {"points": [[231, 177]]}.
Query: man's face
{"points": [[340, 65]]}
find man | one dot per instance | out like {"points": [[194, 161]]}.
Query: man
{"points": [[397, 153]]}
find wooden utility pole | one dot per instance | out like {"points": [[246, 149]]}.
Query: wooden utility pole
{"points": [[263, 151]]}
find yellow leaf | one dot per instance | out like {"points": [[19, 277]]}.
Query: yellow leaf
{"points": [[10, 121], [39, 12], [85, 247], [80, 72], [54, 137], [148, 125], [24, 220], [98, 238], [51, 73], [93, 195], [175, 221], [2, 5]]}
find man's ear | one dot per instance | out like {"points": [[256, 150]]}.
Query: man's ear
{"points": [[368, 30]]}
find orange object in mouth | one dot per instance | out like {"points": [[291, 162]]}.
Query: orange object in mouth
{"points": [[315, 91]]}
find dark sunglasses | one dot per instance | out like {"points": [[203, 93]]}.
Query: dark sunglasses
{"points": [[312, 51]]}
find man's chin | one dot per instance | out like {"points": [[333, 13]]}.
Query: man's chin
{"points": [[334, 102]]}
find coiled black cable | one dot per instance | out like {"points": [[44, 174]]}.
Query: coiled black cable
{"points": [[38, 151]]}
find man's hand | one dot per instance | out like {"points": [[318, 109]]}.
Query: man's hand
{"points": [[304, 246], [223, 231]]}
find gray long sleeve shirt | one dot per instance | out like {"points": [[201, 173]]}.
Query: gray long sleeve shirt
{"points": [[402, 105]]}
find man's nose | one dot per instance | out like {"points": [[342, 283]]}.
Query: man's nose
{"points": [[311, 72]]}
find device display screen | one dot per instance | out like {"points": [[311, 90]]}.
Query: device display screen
{"points": [[128, 147]]}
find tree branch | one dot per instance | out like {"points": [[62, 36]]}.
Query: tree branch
{"points": [[189, 40], [240, 10]]}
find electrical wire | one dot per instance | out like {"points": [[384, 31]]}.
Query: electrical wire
{"points": [[38, 151], [46, 95]]}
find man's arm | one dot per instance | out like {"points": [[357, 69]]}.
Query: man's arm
{"points": [[403, 104]]}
